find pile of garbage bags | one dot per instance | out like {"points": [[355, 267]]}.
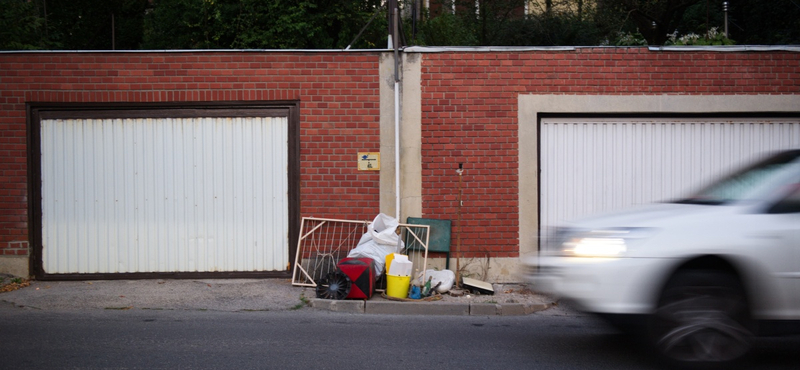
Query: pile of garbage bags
{"points": [[383, 240], [380, 240]]}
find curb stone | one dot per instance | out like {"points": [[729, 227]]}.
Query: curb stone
{"points": [[533, 308], [484, 309], [511, 309], [347, 306], [427, 308], [417, 308]]}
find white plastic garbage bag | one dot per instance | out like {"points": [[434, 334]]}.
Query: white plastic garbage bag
{"points": [[383, 230], [446, 277], [379, 241]]}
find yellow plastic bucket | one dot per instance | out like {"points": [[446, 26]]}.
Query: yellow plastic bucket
{"points": [[397, 286]]}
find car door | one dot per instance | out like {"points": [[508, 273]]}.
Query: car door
{"points": [[785, 226]]}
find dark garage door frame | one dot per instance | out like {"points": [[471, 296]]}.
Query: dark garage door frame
{"points": [[36, 112]]}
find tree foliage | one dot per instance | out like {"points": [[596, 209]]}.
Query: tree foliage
{"points": [[446, 29], [87, 24], [334, 24], [653, 19], [261, 24], [22, 26], [71, 24], [758, 22], [504, 23]]}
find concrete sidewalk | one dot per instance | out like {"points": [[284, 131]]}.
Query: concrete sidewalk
{"points": [[253, 295]]}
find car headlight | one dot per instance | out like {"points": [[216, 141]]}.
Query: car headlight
{"points": [[604, 243]]}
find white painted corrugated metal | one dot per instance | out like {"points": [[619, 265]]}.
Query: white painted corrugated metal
{"points": [[597, 165], [164, 195]]}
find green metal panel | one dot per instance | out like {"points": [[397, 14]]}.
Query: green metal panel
{"points": [[439, 239]]}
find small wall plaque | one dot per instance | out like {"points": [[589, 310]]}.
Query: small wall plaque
{"points": [[369, 161]]}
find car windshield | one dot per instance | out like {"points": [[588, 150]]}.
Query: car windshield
{"points": [[745, 184]]}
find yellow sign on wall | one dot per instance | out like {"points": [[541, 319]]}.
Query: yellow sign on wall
{"points": [[369, 161]]}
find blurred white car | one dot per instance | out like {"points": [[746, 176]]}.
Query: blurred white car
{"points": [[700, 276]]}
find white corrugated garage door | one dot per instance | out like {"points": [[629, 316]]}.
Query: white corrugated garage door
{"points": [[164, 195], [597, 165]]}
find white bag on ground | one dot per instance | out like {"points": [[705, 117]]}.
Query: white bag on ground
{"points": [[446, 277], [379, 241]]}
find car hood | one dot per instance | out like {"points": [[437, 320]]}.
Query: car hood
{"points": [[653, 215]]}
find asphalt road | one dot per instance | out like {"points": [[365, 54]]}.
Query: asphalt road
{"points": [[309, 339]]}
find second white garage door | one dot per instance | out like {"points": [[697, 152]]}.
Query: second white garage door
{"points": [[591, 165]]}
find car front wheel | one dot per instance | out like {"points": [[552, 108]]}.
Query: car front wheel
{"points": [[702, 320]]}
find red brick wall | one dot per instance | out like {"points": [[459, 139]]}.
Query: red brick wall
{"points": [[339, 113], [469, 115]]}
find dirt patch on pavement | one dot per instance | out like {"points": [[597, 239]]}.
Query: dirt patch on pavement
{"points": [[9, 283], [503, 293]]}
